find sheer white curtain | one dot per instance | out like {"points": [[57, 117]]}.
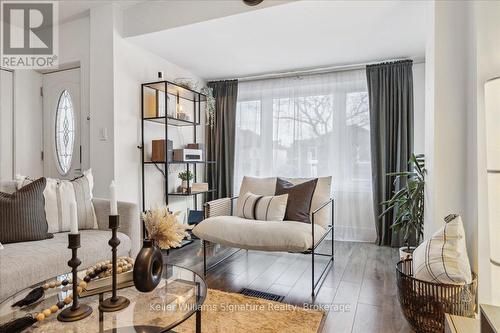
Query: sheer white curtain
{"points": [[311, 126]]}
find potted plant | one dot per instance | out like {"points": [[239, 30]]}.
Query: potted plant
{"points": [[407, 204], [185, 177]]}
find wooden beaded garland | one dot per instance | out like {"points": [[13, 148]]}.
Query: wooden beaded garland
{"points": [[101, 269]]}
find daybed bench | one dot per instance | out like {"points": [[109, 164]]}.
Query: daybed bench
{"points": [[222, 227]]}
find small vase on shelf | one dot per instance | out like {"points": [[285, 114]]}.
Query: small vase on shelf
{"points": [[148, 267], [185, 186], [185, 177]]}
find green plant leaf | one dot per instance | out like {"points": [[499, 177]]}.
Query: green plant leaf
{"points": [[408, 200]]}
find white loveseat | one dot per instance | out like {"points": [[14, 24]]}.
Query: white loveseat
{"points": [[222, 227], [24, 264]]}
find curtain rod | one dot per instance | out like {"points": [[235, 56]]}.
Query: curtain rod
{"points": [[319, 70]]}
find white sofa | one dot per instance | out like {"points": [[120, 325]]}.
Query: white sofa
{"points": [[221, 227], [24, 264]]}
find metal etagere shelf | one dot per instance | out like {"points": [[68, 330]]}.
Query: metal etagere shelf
{"points": [[156, 107]]}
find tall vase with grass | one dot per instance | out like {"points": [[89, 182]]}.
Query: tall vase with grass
{"points": [[164, 232], [185, 177], [407, 203]]}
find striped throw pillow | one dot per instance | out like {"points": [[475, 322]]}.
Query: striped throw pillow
{"points": [[22, 217], [265, 208], [60, 193], [443, 257]]}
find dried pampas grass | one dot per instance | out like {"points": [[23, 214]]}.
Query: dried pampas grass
{"points": [[164, 228]]}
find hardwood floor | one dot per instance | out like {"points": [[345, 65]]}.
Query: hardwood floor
{"points": [[359, 291]]}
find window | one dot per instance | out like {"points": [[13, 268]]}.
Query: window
{"points": [[311, 126], [249, 128], [64, 132]]}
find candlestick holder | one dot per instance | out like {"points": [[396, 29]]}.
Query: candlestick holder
{"points": [[77, 311], [114, 303]]}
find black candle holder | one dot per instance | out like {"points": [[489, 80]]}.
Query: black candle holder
{"points": [[77, 311], [114, 303]]}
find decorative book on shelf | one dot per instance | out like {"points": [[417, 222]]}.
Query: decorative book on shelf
{"points": [[158, 150], [199, 187]]}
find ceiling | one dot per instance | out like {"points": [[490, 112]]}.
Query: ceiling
{"points": [[294, 36], [72, 9]]}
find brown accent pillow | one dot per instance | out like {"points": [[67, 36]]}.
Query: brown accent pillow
{"points": [[299, 199], [22, 214]]}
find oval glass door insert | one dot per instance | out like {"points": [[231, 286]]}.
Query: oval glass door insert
{"points": [[65, 132]]}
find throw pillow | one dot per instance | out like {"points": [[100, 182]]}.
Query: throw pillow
{"points": [[299, 199], [264, 208], [22, 214], [443, 258], [60, 193]]}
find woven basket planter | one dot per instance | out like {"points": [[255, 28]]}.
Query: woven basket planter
{"points": [[425, 303]]}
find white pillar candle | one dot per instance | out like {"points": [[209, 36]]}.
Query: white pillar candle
{"points": [[113, 207], [73, 222]]}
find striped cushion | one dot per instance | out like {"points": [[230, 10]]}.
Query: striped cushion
{"points": [[264, 208], [22, 215], [443, 258], [58, 196]]}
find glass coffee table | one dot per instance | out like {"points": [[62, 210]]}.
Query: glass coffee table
{"points": [[179, 295]]}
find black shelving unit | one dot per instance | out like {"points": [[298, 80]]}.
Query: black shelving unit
{"points": [[163, 92]]}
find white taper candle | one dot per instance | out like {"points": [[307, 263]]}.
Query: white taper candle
{"points": [[113, 207], [73, 218]]}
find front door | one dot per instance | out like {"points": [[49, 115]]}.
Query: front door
{"points": [[62, 124]]}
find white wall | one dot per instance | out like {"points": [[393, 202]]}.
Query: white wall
{"points": [[117, 69], [133, 66], [447, 106], [488, 66], [102, 152], [6, 124], [461, 55], [419, 108], [28, 117]]}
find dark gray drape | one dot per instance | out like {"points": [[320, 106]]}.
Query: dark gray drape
{"points": [[220, 138], [390, 90]]}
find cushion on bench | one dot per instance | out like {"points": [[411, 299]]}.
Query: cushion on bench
{"points": [[280, 236], [322, 193]]}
